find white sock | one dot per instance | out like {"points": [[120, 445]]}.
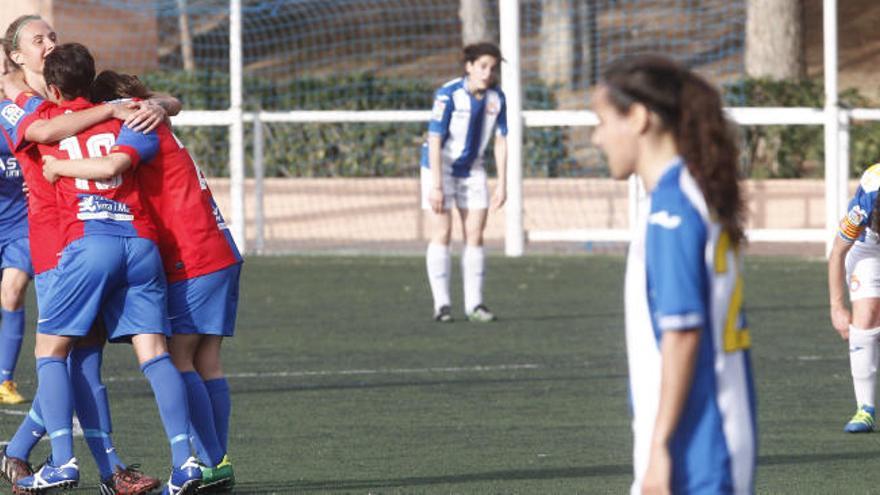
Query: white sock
{"points": [[863, 357], [439, 264], [473, 266]]}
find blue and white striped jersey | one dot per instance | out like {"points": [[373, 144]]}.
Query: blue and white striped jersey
{"points": [[683, 273], [464, 124], [856, 225]]}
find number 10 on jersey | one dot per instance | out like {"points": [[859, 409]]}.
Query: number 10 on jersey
{"points": [[97, 146]]}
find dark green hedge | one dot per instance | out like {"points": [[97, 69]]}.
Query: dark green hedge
{"points": [[797, 150], [338, 150]]}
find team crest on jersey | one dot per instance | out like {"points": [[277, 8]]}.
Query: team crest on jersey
{"points": [[665, 220], [12, 113], [493, 108], [857, 215], [92, 207], [854, 283], [851, 225]]}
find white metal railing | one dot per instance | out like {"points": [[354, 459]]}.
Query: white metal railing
{"points": [[834, 120], [531, 118]]}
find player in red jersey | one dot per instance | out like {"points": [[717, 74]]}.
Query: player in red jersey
{"points": [[29, 39], [16, 267], [109, 266], [85, 360], [201, 262]]}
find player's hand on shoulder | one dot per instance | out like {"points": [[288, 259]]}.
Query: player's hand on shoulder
{"points": [[841, 318], [147, 117], [49, 163], [123, 110]]}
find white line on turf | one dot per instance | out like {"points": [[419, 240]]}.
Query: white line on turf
{"points": [[381, 371]]}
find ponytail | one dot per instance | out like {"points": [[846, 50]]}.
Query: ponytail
{"points": [[691, 109], [706, 142]]}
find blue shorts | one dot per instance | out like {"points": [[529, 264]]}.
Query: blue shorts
{"points": [[205, 305], [118, 278], [42, 283], [16, 253]]}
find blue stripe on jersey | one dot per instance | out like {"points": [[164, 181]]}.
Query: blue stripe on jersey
{"points": [[855, 225], [11, 115], [699, 437], [753, 401], [461, 167], [678, 281], [147, 145], [462, 140], [681, 285], [221, 224], [442, 110], [675, 258], [13, 204]]}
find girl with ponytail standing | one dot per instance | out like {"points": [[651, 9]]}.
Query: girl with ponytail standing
{"points": [[690, 375]]}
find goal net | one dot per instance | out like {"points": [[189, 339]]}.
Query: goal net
{"points": [[336, 95]]}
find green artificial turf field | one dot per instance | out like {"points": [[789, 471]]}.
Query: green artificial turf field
{"points": [[342, 383]]}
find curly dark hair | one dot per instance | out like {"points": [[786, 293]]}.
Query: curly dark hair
{"points": [[691, 108]]}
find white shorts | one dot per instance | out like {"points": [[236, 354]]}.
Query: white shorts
{"points": [[465, 193], [863, 271]]}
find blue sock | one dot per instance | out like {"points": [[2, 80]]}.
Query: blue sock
{"points": [[11, 333], [218, 390], [29, 433], [92, 408], [170, 393], [201, 414], [56, 405]]}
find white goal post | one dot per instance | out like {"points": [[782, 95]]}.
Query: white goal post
{"points": [[834, 120]]}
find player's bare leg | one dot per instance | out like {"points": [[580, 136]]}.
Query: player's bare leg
{"points": [[13, 285]]}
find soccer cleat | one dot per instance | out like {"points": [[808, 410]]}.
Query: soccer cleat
{"points": [[862, 421], [481, 314], [129, 481], [13, 469], [9, 393], [220, 478], [184, 480], [49, 477], [444, 314]]}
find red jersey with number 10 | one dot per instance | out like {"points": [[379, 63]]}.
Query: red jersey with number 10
{"points": [[88, 207]]}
